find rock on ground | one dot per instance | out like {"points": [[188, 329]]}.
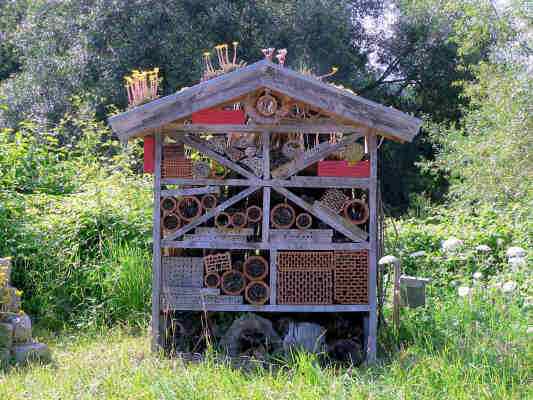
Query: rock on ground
{"points": [[251, 335], [305, 335], [24, 353]]}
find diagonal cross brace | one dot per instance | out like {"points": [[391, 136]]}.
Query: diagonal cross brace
{"points": [[307, 158], [204, 218], [338, 223], [201, 146]]}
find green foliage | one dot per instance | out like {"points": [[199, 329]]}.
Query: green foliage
{"points": [[475, 348], [488, 155]]}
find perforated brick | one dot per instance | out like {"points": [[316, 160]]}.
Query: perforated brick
{"points": [[177, 168], [312, 260], [305, 277], [304, 286], [217, 262], [351, 277]]}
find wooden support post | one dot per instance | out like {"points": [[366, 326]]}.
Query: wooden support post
{"points": [[265, 227], [373, 252], [273, 276], [156, 263]]}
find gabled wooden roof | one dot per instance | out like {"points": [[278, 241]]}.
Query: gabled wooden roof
{"points": [[343, 104]]}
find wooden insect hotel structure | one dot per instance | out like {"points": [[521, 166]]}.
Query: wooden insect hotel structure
{"points": [[265, 193]]}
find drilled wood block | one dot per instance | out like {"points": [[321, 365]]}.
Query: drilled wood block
{"points": [[351, 277], [311, 260], [298, 235], [217, 262], [182, 271]]}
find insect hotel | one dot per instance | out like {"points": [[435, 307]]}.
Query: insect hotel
{"points": [[265, 193]]}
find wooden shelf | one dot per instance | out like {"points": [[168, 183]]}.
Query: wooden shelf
{"points": [[228, 245], [273, 308]]}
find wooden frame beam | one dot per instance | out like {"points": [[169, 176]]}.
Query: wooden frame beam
{"points": [[322, 127], [156, 233], [202, 146]]}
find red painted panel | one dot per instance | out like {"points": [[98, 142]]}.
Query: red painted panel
{"points": [[344, 169], [149, 154], [219, 116]]}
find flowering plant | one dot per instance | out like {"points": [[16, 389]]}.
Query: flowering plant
{"points": [[142, 86]]}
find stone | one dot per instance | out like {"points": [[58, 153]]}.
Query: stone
{"points": [[6, 336], [11, 296], [21, 328], [305, 335], [5, 356], [347, 350], [28, 352], [5, 268]]}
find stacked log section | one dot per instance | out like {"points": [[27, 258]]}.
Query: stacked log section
{"points": [[356, 211], [171, 222], [223, 220], [304, 221], [209, 201], [189, 208], [254, 214], [238, 220], [168, 204], [212, 280], [233, 282], [257, 293], [282, 216], [255, 268]]}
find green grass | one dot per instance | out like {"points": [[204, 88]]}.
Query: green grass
{"points": [[474, 348]]}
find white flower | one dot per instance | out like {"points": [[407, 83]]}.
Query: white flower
{"points": [[451, 245], [416, 254], [477, 275], [499, 242], [529, 329], [483, 248], [464, 291], [517, 262], [516, 252], [509, 287], [454, 283], [528, 302]]}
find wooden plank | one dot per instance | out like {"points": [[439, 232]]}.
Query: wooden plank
{"points": [[310, 158], [265, 141], [323, 127], [265, 227], [327, 308], [373, 251], [156, 234], [211, 213], [211, 182], [329, 218], [321, 182], [273, 276], [191, 191], [220, 244], [201, 146]]}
